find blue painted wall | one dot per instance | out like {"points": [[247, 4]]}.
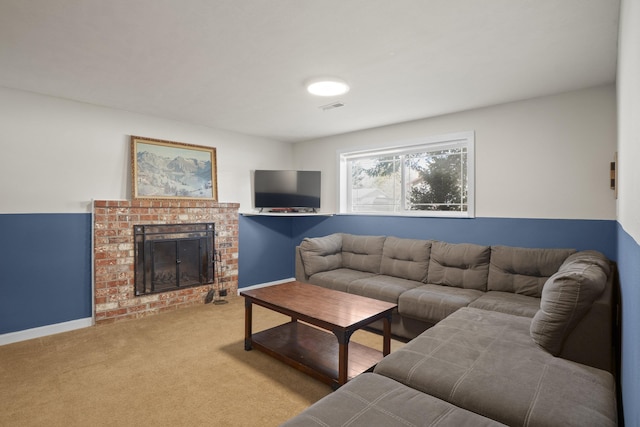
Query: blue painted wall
{"points": [[265, 249], [629, 270], [267, 243], [45, 259], [45, 269]]}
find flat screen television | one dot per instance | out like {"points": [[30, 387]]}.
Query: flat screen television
{"points": [[286, 190]]}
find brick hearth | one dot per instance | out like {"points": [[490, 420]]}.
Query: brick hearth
{"points": [[113, 223]]}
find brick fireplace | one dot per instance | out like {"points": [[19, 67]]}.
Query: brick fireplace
{"points": [[114, 269]]}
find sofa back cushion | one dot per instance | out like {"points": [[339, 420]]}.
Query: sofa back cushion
{"points": [[362, 253], [405, 258], [567, 296], [321, 253], [463, 265], [523, 270]]}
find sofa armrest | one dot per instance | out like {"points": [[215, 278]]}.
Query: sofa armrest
{"points": [[591, 342]]}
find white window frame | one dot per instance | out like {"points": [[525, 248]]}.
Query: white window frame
{"points": [[431, 143]]}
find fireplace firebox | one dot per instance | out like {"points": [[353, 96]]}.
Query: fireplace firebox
{"points": [[173, 256]]}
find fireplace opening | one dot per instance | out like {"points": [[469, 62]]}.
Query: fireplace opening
{"points": [[173, 256]]}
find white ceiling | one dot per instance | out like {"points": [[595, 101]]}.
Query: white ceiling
{"points": [[241, 65]]}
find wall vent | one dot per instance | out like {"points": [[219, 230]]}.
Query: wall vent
{"points": [[331, 106]]}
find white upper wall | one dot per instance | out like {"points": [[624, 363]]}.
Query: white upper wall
{"points": [[629, 119], [58, 155], [541, 158]]}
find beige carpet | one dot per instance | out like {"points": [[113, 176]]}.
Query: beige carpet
{"points": [[183, 368]]}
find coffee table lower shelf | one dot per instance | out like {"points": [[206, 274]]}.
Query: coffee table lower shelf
{"points": [[313, 351]]}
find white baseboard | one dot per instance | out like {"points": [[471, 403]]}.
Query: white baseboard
{"points": [[43, 331], [264, 285]]}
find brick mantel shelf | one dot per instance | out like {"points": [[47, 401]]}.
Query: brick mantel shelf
{"points": [[113, 221]]}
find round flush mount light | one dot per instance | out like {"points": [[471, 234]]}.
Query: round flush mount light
{"points": [[327, 87]]}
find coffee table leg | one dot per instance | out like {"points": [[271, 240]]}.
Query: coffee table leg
{"points": [[343, 355], [386, 335], [248, 309], [343, 359]]}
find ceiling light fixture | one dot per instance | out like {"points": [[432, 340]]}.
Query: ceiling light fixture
{"points": [[327, 87]]}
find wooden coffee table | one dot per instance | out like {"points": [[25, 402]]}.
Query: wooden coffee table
{"points": [[313, 349]]}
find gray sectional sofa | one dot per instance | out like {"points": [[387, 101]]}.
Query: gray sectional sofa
{"points": [[498, 334]]}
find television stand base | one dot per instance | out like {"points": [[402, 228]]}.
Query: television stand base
{"points": [[283, 210], [290, 210]]}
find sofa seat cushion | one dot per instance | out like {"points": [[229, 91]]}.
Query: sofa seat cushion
{"points": [[373, 400], [362, 253], [338, 279], [486, 362], [523, 270], [432, 303], [507, 302], [321, 253], [461, 265], [381, 287], [406, 258]]}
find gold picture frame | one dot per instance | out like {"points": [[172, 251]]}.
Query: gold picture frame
{"points": [[172, 170]]}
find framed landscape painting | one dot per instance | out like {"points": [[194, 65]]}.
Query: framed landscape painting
{"points": [[172, 170]]}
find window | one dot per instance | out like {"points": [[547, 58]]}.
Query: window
{"points": [[429, 177]]}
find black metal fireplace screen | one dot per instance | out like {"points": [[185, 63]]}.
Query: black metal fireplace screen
{"points": [[173, 256]]}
